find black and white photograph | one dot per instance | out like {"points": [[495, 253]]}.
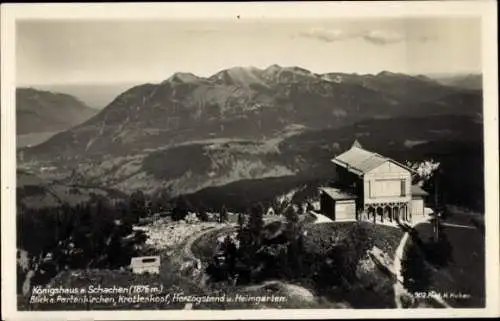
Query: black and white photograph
{"points": [[251, 161]]}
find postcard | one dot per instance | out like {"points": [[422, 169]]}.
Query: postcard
{"points": [[250, 160]]}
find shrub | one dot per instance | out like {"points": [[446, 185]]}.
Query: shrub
{"points": [[181, 209], [256, 222], [415, 270], [203, 216], [138, 205], [439, 253]]}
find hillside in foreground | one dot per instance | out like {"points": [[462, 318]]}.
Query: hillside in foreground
{"points": [[303, 292]]}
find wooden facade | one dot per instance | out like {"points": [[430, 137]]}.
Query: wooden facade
{"points": [[380, 188], [387, 193]]}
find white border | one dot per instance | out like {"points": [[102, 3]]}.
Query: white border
{"points": [[485, 9]]}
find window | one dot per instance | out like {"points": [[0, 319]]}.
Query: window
{"points": [[149, 260], [385, 188], [403, 187]]}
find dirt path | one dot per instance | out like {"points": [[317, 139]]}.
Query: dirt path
{"points": [[320, 218], [399, 289], [191, 262], [188, 251]]}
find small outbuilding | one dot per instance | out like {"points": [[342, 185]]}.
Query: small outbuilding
{"points": [[337, 204], [145, 264]]}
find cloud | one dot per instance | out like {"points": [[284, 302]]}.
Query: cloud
{"points": [[383, 37], [375, 37], [327, 35]]}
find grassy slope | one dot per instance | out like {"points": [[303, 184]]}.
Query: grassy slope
{"points": [[384, 237], [35, 192], [173, 281], [32, 139], [375, 289], [372, 290], [466, 272], [454, 141]]}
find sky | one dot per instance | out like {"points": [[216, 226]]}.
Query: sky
{"points": [[93, 52]]}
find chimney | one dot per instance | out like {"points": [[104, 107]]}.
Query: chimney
{"points": [[356, 144]]}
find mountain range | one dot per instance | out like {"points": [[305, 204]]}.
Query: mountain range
{"points": [[468, 81], [99, 95], [41, 113], [251, 103], [95, 95], [188, 132]]}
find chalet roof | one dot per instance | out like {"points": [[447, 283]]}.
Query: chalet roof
{"points": [[360, 161], [338, 194], [418, 191]]}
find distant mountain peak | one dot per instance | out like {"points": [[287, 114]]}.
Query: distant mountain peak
{"points": [[387, 73], [45, 111], [183, 77], [464, 81], [274, 67], [248, 102], [243, 68], [398, 75], [424, 78], [237, 75], [299, 70]]}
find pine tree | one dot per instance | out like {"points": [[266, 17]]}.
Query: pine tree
{"points": [[223, 216], [202, 215], [256, 222], [249, 236], [291, 216], [241, 221], [300, 209], [137, 205], [245, 253], [181, 209], [293, 232]]}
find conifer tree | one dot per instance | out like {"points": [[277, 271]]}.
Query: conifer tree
{"points": [[223, 216], [137, 205], [294, 235], [181, 209], [256, 222]]}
